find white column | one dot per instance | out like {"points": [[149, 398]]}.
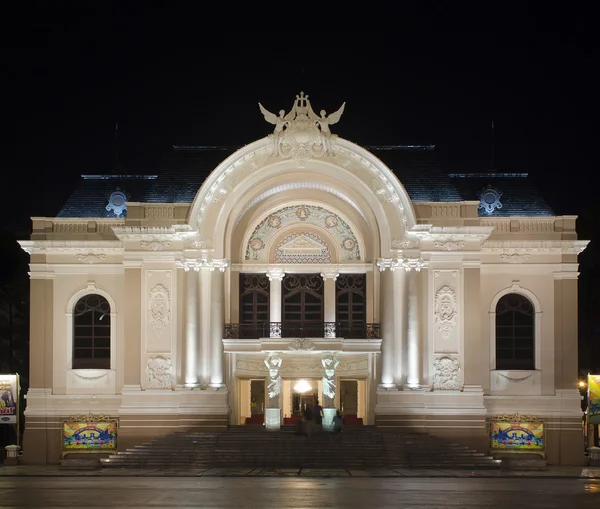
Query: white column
{"points": [[329, 297], [399, 319], [386, 320], [217, 323], [191, 323], [275, 277], [205, 315], [413, 373]]}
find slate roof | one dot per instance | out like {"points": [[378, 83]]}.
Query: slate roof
{"points": [[416, 166]]}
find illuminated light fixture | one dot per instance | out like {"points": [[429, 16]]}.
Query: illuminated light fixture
{"points": [[302, 386]]}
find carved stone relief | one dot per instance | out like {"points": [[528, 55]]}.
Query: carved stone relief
{"points": [[301, 344], [449, 245], [155, 244], [445, 310], [91, 257], [159, 305], [515, 257], [446, 374], [159, 373]]}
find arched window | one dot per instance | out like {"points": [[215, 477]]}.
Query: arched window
{"points": [[515, 332], [91, 333]]}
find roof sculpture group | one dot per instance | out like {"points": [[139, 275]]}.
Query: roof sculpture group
{"points": [[302, 134]]}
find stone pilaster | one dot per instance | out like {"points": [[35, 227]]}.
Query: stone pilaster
{"points": [[329, 295]]}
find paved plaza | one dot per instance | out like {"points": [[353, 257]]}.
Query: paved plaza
{"points": [[230, 490]]}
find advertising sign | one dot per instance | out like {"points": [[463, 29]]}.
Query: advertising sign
{"points": [[9, 399], [89, 435], [517, 436], [594, 399]]}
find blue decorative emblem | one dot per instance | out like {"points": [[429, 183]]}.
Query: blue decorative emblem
{"points": [[489, 199], [117, 202]]}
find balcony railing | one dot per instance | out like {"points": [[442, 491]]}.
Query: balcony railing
{"points": [[305, 330]]}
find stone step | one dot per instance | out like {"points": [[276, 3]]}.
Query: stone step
{"points": [[256, 447]]}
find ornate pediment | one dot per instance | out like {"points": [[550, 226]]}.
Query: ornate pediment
{"points": [[302, 244]]}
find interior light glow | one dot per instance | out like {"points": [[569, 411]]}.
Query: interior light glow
{"points": [[302, 386]]}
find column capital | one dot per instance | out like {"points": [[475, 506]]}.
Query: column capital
{"points": [[275, 274], [413, 264], [203, 263], [330, 274], [384, 263]]}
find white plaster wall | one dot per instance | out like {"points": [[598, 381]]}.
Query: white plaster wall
{"points": [[539, 281], [65, 286]]}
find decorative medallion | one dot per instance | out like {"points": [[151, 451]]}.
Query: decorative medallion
{"points": [[117, 203], [274, 221], [489, 199], [446, 374], [302, 212], [159, 305], [159, 373], [331, 221], [445, 310], [302, 134]]}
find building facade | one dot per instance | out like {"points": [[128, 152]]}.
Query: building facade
{"points": [[241, 285]]}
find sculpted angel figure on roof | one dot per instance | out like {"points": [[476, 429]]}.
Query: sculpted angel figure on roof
{"points": [[324, 122], [302, 134], [280, 123]]}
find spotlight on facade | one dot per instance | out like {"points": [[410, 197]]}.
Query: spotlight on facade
{"points": [[302, 386], [582, 384]]}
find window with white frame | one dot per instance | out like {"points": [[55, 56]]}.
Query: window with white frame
{"points": [[91, 333], [515, 333]]}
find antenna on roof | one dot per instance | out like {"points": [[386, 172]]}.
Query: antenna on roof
{"points": [[116, 149], [493, 168]]}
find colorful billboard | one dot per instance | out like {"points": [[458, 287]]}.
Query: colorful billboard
{"points": [[517, 436], [90, 436], [9, 399], [594, 399]]}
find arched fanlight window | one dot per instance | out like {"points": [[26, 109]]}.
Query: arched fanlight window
{"points": [[91, 333], [515, 332]]}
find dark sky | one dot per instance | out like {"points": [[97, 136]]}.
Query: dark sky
{"points": [[436, 74]]}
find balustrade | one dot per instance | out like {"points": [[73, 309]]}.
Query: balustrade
{"points": [[305, 330]]}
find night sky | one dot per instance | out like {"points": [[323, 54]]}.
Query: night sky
{"points": [[435, 74]]}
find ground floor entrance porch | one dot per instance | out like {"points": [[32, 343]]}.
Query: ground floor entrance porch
{"points": [[298, 394]]}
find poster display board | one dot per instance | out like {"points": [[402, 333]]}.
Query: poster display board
{"points": [[89, 434], [9, 399], [517, 433], [593, 396]]}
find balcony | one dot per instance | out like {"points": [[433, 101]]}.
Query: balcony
{"points": [[304, 330]]}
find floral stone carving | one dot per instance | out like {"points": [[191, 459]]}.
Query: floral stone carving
{"points": [[446, 374], [445, 310], [159, 373], [159, 305]]}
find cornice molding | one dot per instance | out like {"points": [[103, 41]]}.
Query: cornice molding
{"points": [[509, 246], [146, 233], [71, 246], [299, 268]]}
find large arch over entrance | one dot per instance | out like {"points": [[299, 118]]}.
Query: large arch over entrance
{"points": [[234, 192]]}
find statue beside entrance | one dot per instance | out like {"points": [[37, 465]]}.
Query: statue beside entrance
{"points": [[272, 416], [330, 364]]}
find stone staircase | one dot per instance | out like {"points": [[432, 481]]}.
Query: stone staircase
{"points": [[254, 447]]}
